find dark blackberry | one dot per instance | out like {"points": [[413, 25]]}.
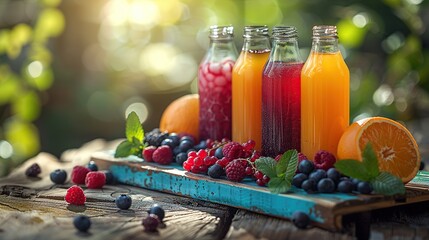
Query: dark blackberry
{"points": [[92, 166], [216, 171], [123, 202], [58, 176], [158, 211], [82, 223], [33, 170], [155, 137]]}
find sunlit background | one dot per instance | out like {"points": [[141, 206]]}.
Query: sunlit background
{"points": [[71, 70]]}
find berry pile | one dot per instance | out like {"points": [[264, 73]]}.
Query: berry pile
{"points": [[321, 176]]}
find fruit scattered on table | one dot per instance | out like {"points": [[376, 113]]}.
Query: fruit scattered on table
{"points": [[236, 170], [163, 155], [396, 149], [150, 223], [123, 202], [300, 219], [92, 166], [95, 180], [33, 170], [109, 177], [158, 211], [78, 174], [75, 195], [58, 176], [82, 223]]}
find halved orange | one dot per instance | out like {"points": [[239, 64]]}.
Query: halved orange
{"points": [[395, 147]]}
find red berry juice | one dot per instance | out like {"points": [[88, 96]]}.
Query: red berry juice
{"points": [[281, 107], [214, 84]]}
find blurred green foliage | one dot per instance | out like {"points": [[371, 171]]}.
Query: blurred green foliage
{"points": [[25, 73]]}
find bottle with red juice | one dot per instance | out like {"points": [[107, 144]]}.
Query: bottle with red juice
{"points": [[214, 84], [281, 94]]}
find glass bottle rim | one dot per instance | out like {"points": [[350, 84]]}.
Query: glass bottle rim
{"points": [[255, 31], [282, 32], [222, 32], [325, 31]]}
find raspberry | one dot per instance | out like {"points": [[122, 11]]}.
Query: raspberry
{"points": [[150, 223], [163, 155], [235, 171], [33, 170], [301, 157], [324, 160], [78, 174], [95, 180], [223, 162], [75, 195], [232, 150], [148, 153]]}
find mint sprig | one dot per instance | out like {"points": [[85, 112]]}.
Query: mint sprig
{"points": [[368, 170], [134, 133], [281, 172]]}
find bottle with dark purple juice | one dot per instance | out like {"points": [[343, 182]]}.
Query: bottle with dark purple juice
{"points": [[281, 94]]}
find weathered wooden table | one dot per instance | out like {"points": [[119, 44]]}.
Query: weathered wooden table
{"points": [[34, 208]]}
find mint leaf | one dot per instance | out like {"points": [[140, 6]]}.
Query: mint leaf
{"points": [[353, 168], [388, 184], [124, 149], [133, 128], [267, 166], [279, 185], [286, 161], [369, 159]]}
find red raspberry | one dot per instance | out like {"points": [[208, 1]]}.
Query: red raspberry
{"points": [[163, 155], [148, 153], [301, 157], [324, 160], [95, 180], [78, 174], [235, 171], [223, 162], [232, 150], [75, 195]]}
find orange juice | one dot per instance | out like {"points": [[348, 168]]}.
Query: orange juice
{"points": [[247, 86], [325, 93]]}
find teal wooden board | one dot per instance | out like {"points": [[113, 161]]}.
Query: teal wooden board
{"points": [[325, 210]]}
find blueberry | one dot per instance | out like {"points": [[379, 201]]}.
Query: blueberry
{"points": [[176, 151], [92, 166], [219, 153], [168, 142], [309, 185], [216, 171], [306, 166], [82, 223], [58, 176], [326, 185], [355, 182], [345, 179], [189, 138], [422, 166], [109, 177], [364, 187], [298, 179], [317, 175], [333, 174], [201, 145], [190, 150], [158, 211], [185, 145], [123, 202], [345, 186], [175, 138], [181, 157], [300, 219]]}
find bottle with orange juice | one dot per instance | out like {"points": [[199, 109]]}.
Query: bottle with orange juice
{"points": [[325, 93], [247, 85]]}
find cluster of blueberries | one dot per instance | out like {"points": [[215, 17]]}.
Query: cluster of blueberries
{"points": [[314, 180]]}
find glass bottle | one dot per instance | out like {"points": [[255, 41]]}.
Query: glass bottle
{"points": [[281, 94], [325, 93], [246, 86], [214, 84]]}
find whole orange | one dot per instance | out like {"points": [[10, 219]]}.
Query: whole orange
{"points": [[182, 116], [396, 150]]}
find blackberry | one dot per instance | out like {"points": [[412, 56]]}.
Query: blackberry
{"points": [[158, 211], [155, 137], [216, 171], [82, 223], [123, 202], [305, 166], [92, 166], [150, 223], [58, 176], [300, 219], [326, 185], [298, 179], [235, 171], [33, 170], [181, 158]]}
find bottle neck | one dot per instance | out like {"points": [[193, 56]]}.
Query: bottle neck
{"points": [[325, 45], [286, 50], [260, 44], [222, 48]]}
